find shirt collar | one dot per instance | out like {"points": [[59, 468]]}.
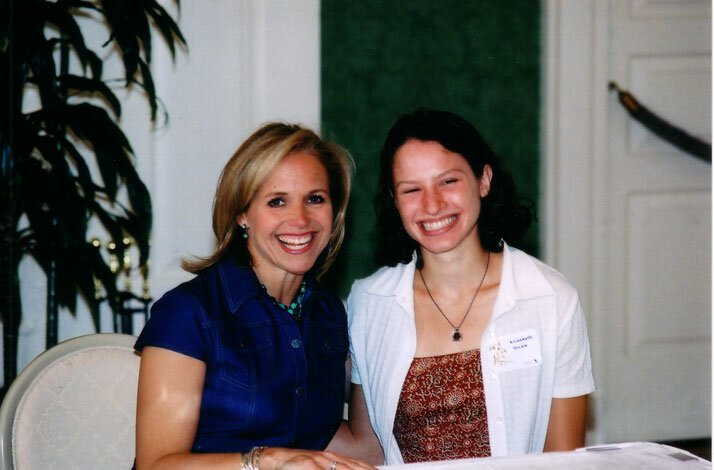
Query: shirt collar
{"points": [[241, 284], [521, 279], [397, 281]]}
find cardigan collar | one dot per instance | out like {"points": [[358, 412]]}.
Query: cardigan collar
{"points": [[521, 279], [398, 282]]}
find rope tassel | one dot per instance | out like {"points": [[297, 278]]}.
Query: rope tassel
{"points": [[672, 134]]}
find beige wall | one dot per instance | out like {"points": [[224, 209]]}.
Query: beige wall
{"points": [[248, 62]]}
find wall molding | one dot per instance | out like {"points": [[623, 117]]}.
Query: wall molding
{"points": [[575, 61]]}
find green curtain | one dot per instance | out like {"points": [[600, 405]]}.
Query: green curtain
{"points": [[380, 59]]}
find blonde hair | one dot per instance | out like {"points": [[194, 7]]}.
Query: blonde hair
{"points": [[247, 170]]}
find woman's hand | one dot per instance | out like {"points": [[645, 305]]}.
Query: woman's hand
{"points": [[279, 458]]}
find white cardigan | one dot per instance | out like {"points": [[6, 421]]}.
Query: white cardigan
{"points": [[535, 348]]}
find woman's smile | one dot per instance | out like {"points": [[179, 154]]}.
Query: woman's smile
{"points": [[296, 244], [438, 226]]}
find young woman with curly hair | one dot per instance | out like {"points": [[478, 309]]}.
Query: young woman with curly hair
{"points": [[462, 346]]}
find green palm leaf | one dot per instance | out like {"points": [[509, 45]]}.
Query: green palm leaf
{"points": [[90, 86], [167, 26]]}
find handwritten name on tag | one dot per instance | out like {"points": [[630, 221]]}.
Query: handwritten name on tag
{"points": [[516, 351]]}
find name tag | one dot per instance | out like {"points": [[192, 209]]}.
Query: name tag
{"points": [[515, 351]]}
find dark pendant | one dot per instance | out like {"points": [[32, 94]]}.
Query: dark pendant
{"points": [[457, 335]]}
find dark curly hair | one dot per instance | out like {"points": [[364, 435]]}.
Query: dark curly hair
{"points": [[504, 214]]}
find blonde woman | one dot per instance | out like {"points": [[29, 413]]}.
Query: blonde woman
{"points": [[244, 365]]}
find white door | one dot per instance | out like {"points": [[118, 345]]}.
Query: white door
{"points": [[639, 247]]}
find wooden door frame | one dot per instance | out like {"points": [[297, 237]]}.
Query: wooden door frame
{"points": [[574, 159]]}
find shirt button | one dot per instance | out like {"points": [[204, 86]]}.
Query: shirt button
{"points": [[499, 420], [299, 391], [492, 333], [494, 376], [296, 343]]}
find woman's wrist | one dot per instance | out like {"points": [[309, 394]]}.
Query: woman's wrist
{"points": [[255, 454], [251, 460], [245, 461]]}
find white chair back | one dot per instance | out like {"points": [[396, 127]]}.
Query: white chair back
{"points": [[73, 407]]}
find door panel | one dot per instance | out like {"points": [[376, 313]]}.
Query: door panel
{"points": [[658, 203], [628, 215]]}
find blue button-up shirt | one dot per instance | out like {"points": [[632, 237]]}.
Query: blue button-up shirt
{"points": [[269, 380]]}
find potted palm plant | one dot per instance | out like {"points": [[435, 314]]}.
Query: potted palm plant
{"points": [[48, 190]]}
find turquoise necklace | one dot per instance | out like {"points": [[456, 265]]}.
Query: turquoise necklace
{"points": [[295, 307]]}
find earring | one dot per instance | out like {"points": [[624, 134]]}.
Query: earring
{"points": [[245, 230]]}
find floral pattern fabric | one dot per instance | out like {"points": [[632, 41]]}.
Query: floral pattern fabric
{"points": [[441, 414]]}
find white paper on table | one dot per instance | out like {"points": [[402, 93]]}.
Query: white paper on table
{"points": [[625, 456]]}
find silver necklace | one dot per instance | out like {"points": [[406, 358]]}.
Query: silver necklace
{"points": [[456, 335]]}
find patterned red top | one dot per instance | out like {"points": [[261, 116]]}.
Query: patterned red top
{"points": [[441, 414]]}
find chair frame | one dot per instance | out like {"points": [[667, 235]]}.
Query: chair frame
{"points": [[34, 369]]}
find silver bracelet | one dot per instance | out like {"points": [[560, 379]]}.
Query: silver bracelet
{"points": [[245, 461], [255, 454], [249, 460]]}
